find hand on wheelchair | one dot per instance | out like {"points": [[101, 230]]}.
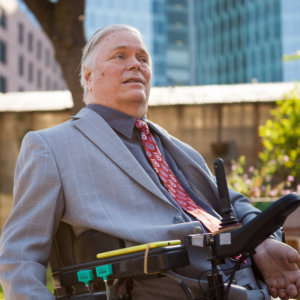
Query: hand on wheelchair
{"points": [[277, 262]]}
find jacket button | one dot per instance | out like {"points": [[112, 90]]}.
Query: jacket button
{"points": [[178, 219]]}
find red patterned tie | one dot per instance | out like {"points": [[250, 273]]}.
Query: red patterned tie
{"points": [[163, 170]]}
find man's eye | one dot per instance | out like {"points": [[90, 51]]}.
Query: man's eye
{"points": [[120, 56], [144, 60]]}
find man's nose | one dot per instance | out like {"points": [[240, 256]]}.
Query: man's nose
{"points": [[134, 63]]}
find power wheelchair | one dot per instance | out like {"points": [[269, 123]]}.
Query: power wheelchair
{"points": [[77, 275]]}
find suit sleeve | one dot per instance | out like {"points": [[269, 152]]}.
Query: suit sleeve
{"points": [[26, 239]]}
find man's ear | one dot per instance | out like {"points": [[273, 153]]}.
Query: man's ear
{"points": [[87, 75]]}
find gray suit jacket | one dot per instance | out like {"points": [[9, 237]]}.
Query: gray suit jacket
{"points": [[82, 173]]}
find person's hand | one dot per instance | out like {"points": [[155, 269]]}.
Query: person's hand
{"points": [[277, 263]]}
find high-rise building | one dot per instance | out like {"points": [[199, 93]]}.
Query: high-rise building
{"points": [[242, 41], [159, 43], [179, 35], [211, 41], [27, 60]]}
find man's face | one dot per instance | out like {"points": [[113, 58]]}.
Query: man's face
{"points": [[120, 77]]}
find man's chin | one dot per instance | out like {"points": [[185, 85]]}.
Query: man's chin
{"points": [[138, 96]]}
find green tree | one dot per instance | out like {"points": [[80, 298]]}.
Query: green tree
{"points": [[281, 138], [292, 57]]}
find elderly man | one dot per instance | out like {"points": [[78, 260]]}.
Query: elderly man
{"points": [[94, 173]]}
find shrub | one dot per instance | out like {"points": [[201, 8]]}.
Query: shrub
{"points": [[281, 139], [278, 171]]}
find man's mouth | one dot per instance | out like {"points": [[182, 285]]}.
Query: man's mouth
{"points": [[134, 80]]}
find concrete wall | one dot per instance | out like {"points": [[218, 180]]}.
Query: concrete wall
{"points": [[204, 125], [13, 126]]}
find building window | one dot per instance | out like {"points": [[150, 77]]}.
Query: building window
{"points": [[48, 84], [21, 65], [39, 79], [157, 7], [20, 33], [30, 72], [54, 66], [2, 18], [47, 57], [30, 41], [2, 52], [3, 88], [39, 50]]}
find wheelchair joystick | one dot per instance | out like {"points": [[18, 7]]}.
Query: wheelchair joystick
{"points": [[228, 217], [229, 222]]}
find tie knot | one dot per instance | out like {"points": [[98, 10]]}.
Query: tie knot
{"points": [[142, 126]]}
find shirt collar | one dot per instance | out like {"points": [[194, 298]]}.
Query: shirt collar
{"points": [[117, 120]]}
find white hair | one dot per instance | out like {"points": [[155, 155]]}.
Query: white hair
{"points": [[88, 55]]}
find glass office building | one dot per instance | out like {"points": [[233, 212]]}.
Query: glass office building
{"points": [[195, 42], [178, 35], [244, 41]]}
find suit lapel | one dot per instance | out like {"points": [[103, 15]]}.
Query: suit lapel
{"points": [[197, 177], [103, 136]]}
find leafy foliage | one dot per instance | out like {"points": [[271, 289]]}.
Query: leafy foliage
{"points": [[278, 172], [281, 138]]}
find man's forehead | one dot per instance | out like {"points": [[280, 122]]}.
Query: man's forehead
{"points": [[140, 48], [124, 39]]}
